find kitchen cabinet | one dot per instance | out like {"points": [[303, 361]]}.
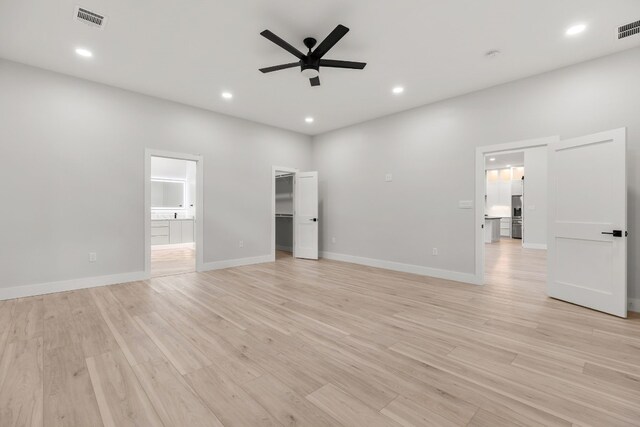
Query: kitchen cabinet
{"points": [[491, 229], [505, 227], [498, 191]]}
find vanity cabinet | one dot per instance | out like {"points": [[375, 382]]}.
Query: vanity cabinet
{"points": [[172, 231]]}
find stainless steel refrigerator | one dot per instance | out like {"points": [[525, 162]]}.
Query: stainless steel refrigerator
{"points": [[516, 217]]}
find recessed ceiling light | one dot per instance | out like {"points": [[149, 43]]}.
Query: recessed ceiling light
{"points": [[227, 95], [398, 90], [576, 29], [84, 52], [493, 159], [508, 166], [309, 119]]}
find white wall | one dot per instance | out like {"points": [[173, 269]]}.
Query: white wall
{"points": [[535, 198], [430, 151], [72, 172]]}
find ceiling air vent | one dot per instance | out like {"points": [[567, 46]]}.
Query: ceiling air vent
{"points": [[90, 18], [629, 30]]}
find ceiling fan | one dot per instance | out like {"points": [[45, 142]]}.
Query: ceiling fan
{"points": [[311, 62]]}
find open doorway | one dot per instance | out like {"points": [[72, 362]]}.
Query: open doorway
{"points": [[512, 213], [515, 218], [173, 198], [283, 236], [294, 231]]}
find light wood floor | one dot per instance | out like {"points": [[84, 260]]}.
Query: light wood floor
{"points": [[166, 262], [318, 343]]}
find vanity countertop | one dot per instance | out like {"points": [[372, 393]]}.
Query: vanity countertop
{"points": [[492, 217]]}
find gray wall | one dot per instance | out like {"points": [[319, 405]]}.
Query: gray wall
{"points": [[430, 151], [72, 175]]}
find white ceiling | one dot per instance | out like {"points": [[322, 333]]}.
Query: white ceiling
{"points": [[191, 50], [504, 160]]}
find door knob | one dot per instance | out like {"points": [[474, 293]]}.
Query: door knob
{"points": [[614, 233], [313, 219]]}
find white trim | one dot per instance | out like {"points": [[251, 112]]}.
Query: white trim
{"points": [[69, 285], [199, 218], [228, 263], [405, 268], [275, 169], [481, 152], [535, 246], [633, 304]]}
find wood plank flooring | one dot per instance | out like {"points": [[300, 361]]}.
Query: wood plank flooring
{"points": [[169, 261], [322, 343]]}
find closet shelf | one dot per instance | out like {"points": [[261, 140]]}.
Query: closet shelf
{"points": [[284, 215]]}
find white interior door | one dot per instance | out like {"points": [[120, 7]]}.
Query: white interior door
{"points": [[587, 245], [306, 215]]}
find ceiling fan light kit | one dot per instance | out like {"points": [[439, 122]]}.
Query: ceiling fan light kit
{"points": [[311, 62]]}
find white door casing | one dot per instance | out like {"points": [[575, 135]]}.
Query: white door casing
{"points": [[306, 215], [588, 197]]}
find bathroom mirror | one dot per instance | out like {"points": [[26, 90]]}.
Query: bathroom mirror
{"points": [[167, 194]]}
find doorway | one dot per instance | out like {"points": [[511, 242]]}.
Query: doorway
{"points": [[294, 209], [283, 236], [511, 200], [173, 213]]}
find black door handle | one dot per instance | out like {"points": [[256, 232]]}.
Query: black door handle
{"points": [[614, 233], [313, 219]]}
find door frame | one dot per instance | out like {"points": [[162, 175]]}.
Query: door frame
{"points": [[481, 153], [198, 220], [274, 170]]}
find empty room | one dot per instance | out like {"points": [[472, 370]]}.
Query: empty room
{"points": [[291, 213]]}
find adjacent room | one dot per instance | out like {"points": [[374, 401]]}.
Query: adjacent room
{"points": [[278, 213]]}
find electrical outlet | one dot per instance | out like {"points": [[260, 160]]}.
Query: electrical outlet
{"points": [[241, 244], [333, 239], [388, 177], [434, 252], [93, 257]]}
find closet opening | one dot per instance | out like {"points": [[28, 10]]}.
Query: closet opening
{"points": [[284, 185]]}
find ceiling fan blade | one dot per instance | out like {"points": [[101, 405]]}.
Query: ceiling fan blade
{"points": [[280, 67], [330, 41], [315, 81], [342, 64], [283, 44]]}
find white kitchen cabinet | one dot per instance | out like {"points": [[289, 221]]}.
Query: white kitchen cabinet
{"points": [[505, 227], [517, 187], [498, 200]]}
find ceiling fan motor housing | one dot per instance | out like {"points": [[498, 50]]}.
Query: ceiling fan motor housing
{"points": [[310, 71]]}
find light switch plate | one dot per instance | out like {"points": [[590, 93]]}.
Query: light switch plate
{"points": [[388, 177], [465, 204]]}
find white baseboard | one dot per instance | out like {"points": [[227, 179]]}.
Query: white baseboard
{"points": [[405, 268], [634, 304], [228, 263], [534, 246], [69, 285]]}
